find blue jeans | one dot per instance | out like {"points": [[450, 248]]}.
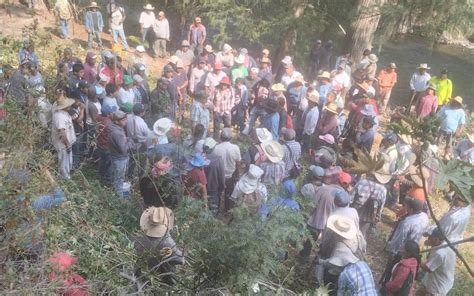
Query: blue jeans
{"points": [[104, 166], [94, 35], [256, 112], [145, 31], [79, 150], [120, 33], [119, 169], [64, 28]]}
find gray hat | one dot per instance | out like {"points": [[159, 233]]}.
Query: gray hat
{"points": [[227, 133], [138, 108], [118, 115], [288, 133]]}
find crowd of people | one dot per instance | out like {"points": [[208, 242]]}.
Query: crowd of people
{"points": [[188, 137]]}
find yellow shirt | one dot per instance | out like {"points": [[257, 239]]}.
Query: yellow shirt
{"points": [[444, 89]]}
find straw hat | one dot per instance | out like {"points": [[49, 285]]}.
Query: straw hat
{"points": [[383, 175], [458, 99], [263, 135], [93, 5], [423, 66], [313, 97], [342, 225], [331, 107], [148, 7], [208, 48], [161, 13], [162, 126], [273, 150], [185, 43], [415, 175], [62, 103], [248, 183], [324, 75], [372, 58], [392, 65], [300, 79], [265, 51], [432, 86], [278, 87], [226, 48], [364, 85], [174, 59], [156, 222]]}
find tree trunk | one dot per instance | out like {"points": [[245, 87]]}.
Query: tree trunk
{"points": [[289, 37], [363, 28]]}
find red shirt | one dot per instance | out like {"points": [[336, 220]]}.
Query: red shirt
{"points": [[102, 136], [194, 177], [114, 78]]}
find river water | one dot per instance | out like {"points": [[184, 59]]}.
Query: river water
{"points": [[409, 53]]}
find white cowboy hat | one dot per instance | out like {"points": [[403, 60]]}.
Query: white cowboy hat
{"points": [[372, 58], [248, 183], [148, 7], [342, 255], [342, 226], [273, 150], [278, 87], [226, 48], [263, 135], [287, 60], [383, 175], [300, 79], [313, 97], [208, 48], [325, 74], [63, 103], [423, 66], [156, 222], [415, 175], [162, 126]]}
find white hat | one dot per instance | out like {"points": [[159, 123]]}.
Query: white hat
{"points": [[423, 66], [210, 143], [63, 103], [342, 225], [137, 78], [103, 78], [208, 48], [239, 59], [273, 150], [342, 255], [263, 135], [254, 70], [226, 48], [149, 7], [162, 126], [140, 48], [383, 175], [156, 222], [287, 60], [250, 180], [372, 58]]}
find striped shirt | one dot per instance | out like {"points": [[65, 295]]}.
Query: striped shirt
{"points": [[273, 173], [290, 157], [356, 279], [224, 101]]}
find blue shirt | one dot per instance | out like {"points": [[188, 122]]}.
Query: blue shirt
{"points": [[272, 124], [276, 203], [451, 119], [356, 279], [323, 91]]}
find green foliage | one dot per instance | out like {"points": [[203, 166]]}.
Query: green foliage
{"points": [[424, 130], [459, 175], [365, 164]]}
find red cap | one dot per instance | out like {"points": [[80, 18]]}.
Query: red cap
{"points": [[225, 80], [345, 178], [217, 66]]}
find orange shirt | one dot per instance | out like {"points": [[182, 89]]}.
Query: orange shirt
{"points": [[387, 80]]}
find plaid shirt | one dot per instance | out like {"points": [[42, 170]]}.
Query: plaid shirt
{"points": [[224, 101], [365, 190], [273, 173], [295, 148], [356, 279]]}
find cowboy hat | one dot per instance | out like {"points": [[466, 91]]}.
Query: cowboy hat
{"points": [[62, 103], [383, 175], [208, 48], [162, 126], [239, 59], [226, 48], [300, 79], [148, 7], [392, 65], [324, 75], [185, 43], [278, 87], [364, 85], [415, 175], [331, 107], [197, 161], [287, 60], [265, 51], [156, 222], [161, 13], [209, 143], [248, 183], [423, 66], [372, 58], [313, 97], [342, 255], [368, 110], [273, 150], [173, 59], [140, 48], [342, 225], [432, 86], [93, 5], [263, 135], [118, 115], [457, 99]]}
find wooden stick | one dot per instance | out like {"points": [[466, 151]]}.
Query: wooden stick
{"points": [[471, 239]]}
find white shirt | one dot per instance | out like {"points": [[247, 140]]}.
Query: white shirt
{"points": [[454, 222], [88, 116], [311, 121], [116, 19], [287, 79], [62, 120], [110, 101], [342, 79], [230, 153], [147, 19], [442, 263], [125, 96], [212, 80], [419, 82]]}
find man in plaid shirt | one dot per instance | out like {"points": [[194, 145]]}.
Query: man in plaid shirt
{"points": [[224, 101], [356, 279]]}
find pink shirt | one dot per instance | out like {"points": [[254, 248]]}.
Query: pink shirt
{"points": [[427, 104]]}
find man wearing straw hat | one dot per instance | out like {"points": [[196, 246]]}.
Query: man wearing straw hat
{"points": [[419, 82], [117, 17], [146, 21], [161, 28], [94, 24], [62, 133], [197, 35]]}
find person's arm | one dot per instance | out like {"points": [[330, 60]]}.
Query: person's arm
{"points": [[450, 89], [192, 81], [100, 21], [190, 34], [93, 112], [167, 30], [412, 82], [87, 22], [204, 35], [435, 106]]}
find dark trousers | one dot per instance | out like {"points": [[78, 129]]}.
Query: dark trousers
{"points": [[229, 188], [214, 203], [308, 246], [104, 166], [218, 119]]}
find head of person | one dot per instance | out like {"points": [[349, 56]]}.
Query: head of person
{"points": [[162, 83], [201, 97], [29, 46], [444, 74], [456, 102], [93, 7], [265, 53], [140, 51], [313, 99], [410, 249], [168, 71], [422, 68], [278, 89], [92, 94], [111, 90], [340, 68], [119, 118], [289, 69], [25, 67], [342, 199], [330, 97], [197, 21], [368, 122], [83, 86], [209, 145], [217, 68], [366, 52], [137, 80], [459, 200], [201, 64], [224, 84], [435, 238], [67, 54], [317, 172], [91, 58], [148, 8], [138, 109], [344, 179], [415, 206], [239, 81], [161, 15], [103, 80], [325, 78], [112, 63], [389, 139], [253, 74], [157, 221], [34, 69], [78, 70], [226, 134], [288, 134], [391, 67], [108, 110], [198, 131], [127, 82], [431, 90], [184, 45]]}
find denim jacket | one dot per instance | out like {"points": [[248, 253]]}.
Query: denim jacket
{"points": [[88, 21]]}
